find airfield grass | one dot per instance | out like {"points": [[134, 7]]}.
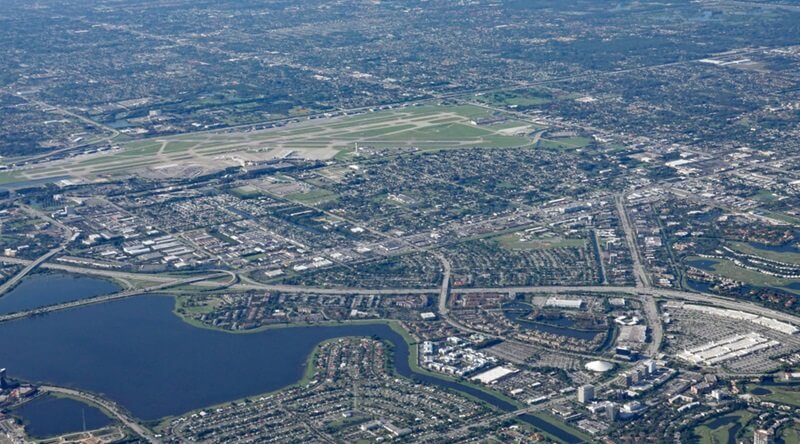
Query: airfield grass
{"points": [[370, 133], [10, 177], [141, 149], [514, 124], [99, 160], [172, 147], [448, 131]]}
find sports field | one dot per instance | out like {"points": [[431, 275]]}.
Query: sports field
{"points": [[425, 127]]}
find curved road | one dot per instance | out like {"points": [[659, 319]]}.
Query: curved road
{"points": [[112, 407]]}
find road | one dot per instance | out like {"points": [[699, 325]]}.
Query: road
{"points": [[112, 297], [444, 291], [720, 301], [68, 236], [110, 406], [642, 281], [9, 284], [639, 273]]}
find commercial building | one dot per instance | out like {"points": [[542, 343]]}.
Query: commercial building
{"points": [[728, 348], [563, 303], [585, 393], [493, 375]]}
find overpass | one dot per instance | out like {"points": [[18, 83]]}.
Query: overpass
{"points": [[9, 284], [68, 237]]}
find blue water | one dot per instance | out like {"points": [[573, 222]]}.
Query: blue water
{"points": [[39, 290], [725, 421], [788, 247], [702, 287], [51, 416], [703, 264], [138, 353], [563, 327]]}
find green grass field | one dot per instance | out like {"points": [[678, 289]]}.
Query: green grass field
{"points": [[783, 394], [314, 196], [788, 257], [721, 434], [781, 217], [513, 242], [790, 434], [727, 269], [565, 143], [10, 177], [246, 192], [515, 98]]}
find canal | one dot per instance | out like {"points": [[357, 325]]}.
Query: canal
{"points": [[139, 354]]}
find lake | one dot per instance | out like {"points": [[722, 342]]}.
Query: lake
{"points": [[51, 416], [516, 311], [138, 353], [703, 264], [42, 289]]}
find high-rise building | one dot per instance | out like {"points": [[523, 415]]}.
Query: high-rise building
{"points": [[762, 436], [637, 375], [611, 412], [2, 378], [585, 393], [624, 380]]}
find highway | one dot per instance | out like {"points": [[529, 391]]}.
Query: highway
{"points": [[444, 291], [720, 301], [112, 297], [639, 273], [110, 406], [68, 235], [9, 284], [649, 306]]}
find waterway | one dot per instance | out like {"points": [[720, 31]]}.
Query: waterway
{"points": [[42, 289], [51, 416], [139, 354]]}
